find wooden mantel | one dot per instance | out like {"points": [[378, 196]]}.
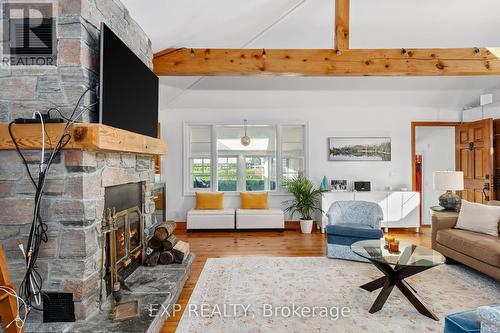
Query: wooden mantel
{"points": [[83, 136]]}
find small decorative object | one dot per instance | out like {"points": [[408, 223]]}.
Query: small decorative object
{"points": [[362, 186], [388, 240], [359, 149], [306, 200], [245, 140], [324, 184], [449, 181], [394, 245], [339, 185]]}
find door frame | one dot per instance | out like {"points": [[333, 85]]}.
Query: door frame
{"points": [[414, 125]]}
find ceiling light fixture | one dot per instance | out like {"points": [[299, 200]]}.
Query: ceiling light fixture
{"points": [[245, 140]]}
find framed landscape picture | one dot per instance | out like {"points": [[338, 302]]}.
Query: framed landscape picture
{"points": [[359, 149]]}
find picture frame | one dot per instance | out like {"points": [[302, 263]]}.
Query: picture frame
{"points": [[339, 185], [345, 149]]}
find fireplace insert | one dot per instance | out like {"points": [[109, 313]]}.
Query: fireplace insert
{"points": [[123, 229]]}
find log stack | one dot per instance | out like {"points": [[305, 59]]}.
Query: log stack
{"points": [[164, 248]]}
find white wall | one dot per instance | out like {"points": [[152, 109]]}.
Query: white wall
{"points": [[484, 112], [437, 147], [374, 114]]}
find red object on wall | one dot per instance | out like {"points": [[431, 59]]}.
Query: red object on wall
{"points": [[418, 180]]}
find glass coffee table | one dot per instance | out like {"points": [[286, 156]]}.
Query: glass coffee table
{"points": [[397, 266]]}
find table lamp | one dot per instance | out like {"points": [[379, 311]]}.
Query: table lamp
{"points": [[449, 181]]}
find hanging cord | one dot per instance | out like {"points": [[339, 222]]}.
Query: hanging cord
{"points": [[19, 322], [31, 285], [42, 156]]}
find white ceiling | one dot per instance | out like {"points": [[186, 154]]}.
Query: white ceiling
{"points": [[309, 24]]}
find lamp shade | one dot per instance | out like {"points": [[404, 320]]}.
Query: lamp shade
{"points": [[448, 180]]}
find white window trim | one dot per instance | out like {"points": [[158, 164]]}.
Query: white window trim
{"points": [[188, 191]]}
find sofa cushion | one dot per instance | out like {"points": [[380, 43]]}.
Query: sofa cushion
{"points": [[462, 322], [479, 218], [482, 247], [194, 212], [209, 201], [260, 212], [358, 230], [254, 200]]}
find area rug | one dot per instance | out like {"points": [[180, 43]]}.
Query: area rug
{"points": [[262, 294]]}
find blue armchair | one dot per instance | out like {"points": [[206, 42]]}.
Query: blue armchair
{"points": [[349, 222]]}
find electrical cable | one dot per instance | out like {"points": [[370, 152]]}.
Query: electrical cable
{"points": [[42, 157], [19, 322], [31, 285]]}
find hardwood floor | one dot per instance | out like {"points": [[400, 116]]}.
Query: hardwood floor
{"points": [[290, 243]]}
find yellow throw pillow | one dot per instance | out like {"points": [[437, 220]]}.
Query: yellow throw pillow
{"points": [[254, 200], [209, 200]]}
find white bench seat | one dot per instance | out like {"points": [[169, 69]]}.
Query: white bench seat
{"points": [[260, 219], [198, 219]]}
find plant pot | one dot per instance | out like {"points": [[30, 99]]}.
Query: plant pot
{"points": [[306, 226]]}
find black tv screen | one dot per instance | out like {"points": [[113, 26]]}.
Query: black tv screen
{"points": [[128, 88]]}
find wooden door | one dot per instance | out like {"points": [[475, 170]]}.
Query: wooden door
{"points": [[474, 156]]}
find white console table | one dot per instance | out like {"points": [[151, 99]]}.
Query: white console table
{"points": [[401, 209]]}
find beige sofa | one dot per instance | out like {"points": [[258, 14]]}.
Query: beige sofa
{"points": [[476, 250]]}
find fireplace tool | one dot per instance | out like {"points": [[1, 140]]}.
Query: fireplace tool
{"points": [[119, 310]]}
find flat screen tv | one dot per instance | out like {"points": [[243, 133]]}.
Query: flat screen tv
{"points": [[128, 88]]}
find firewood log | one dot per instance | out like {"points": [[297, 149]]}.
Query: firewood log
{"points": [[152, 259], [169, 243], [180, 251], [164, 230], [154, 243], [166, 258]]}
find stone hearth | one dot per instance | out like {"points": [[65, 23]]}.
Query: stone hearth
{"points": [[152, 286]]}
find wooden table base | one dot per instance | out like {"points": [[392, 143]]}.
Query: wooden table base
{"points": [[395, 277]]}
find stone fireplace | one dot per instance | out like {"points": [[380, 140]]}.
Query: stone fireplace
{"points": [[73, 208], [103, 179]]}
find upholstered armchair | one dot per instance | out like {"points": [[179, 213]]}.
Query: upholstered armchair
{"points": [[349, 222]]}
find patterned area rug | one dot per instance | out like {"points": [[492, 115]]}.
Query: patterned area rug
{"points": [[266, 294]]}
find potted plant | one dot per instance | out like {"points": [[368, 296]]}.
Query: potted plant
{"points": [[306, 200]]}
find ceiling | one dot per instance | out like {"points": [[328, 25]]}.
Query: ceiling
{"points": [[309, 24]]}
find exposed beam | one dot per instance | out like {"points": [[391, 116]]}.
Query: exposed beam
{"points": [[341, 41], [327, 62]]}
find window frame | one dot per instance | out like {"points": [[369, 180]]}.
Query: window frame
{"points": [[190, 191]]}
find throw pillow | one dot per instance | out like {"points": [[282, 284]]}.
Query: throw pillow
{"points": [[479, 218], [254, 200], [209, 200]]}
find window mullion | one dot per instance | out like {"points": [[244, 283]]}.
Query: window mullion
{"points": [[241, 174], [279, 156], [214, 156]]}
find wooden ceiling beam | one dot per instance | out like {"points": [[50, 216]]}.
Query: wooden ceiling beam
{"points": [[341, 40], [328, 62]]}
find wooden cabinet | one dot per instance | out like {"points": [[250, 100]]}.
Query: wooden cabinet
{"points": [[401, 209]]}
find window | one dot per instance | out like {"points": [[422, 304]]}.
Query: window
{"points": [[227, 173], [201, 172], [237, 168], [292, 146], [200, 176], [260, 173]]}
